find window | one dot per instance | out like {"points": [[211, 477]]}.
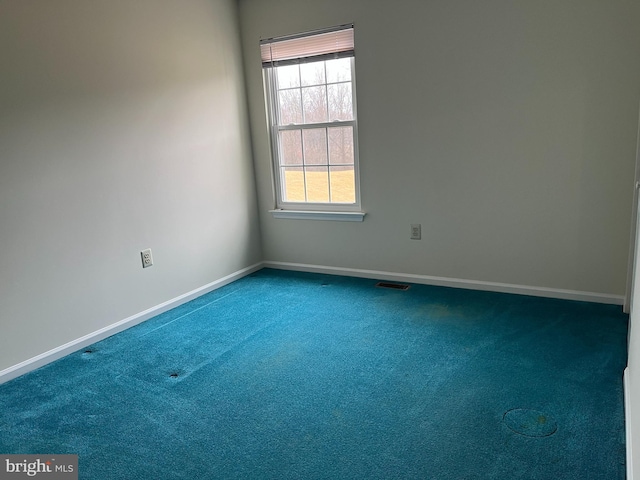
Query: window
{"points": [[310, 90]]}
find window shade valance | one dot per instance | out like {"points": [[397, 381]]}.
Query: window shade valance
{"points": [[334, 43]]}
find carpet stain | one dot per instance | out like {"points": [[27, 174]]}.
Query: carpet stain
{"points": [[289, 353], [440, 312], [443, 311], [530, 423]]}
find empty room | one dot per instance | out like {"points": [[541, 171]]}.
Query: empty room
{"points": [[295, 239]]}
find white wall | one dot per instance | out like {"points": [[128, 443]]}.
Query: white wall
{"points": [[632, 396], [122, 127], [506, 128], [632, 378], [632, 372]]}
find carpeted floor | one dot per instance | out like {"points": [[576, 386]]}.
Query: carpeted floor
{"points": [[286, 375]]}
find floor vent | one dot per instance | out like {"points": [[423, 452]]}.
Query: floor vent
{"points": [[394, 286]]}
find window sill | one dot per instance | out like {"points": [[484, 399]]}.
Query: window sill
{"points": [[318, 215]]}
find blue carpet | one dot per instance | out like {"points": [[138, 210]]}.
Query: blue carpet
{"points": [[286, 375]]}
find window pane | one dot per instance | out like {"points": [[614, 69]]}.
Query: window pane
{"points": [[315, 146], [341, 145], [338, 70], [343, 185], [288, 76], [317, 180], [312, 73], [315, 104], [292, 180], [291, 147], [340, 101], [290, 107]]}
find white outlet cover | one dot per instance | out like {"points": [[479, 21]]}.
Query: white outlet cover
{"points": [[416, 231], [147, 258]]}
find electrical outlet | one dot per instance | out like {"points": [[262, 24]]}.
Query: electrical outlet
{"points": [[147, 258], [416, 231]]}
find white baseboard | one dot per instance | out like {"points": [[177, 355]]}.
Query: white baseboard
{"points": [[59, 352], [452, 282], [627, 422]]}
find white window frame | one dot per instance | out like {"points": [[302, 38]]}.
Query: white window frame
{"points": [[309, 210]]}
